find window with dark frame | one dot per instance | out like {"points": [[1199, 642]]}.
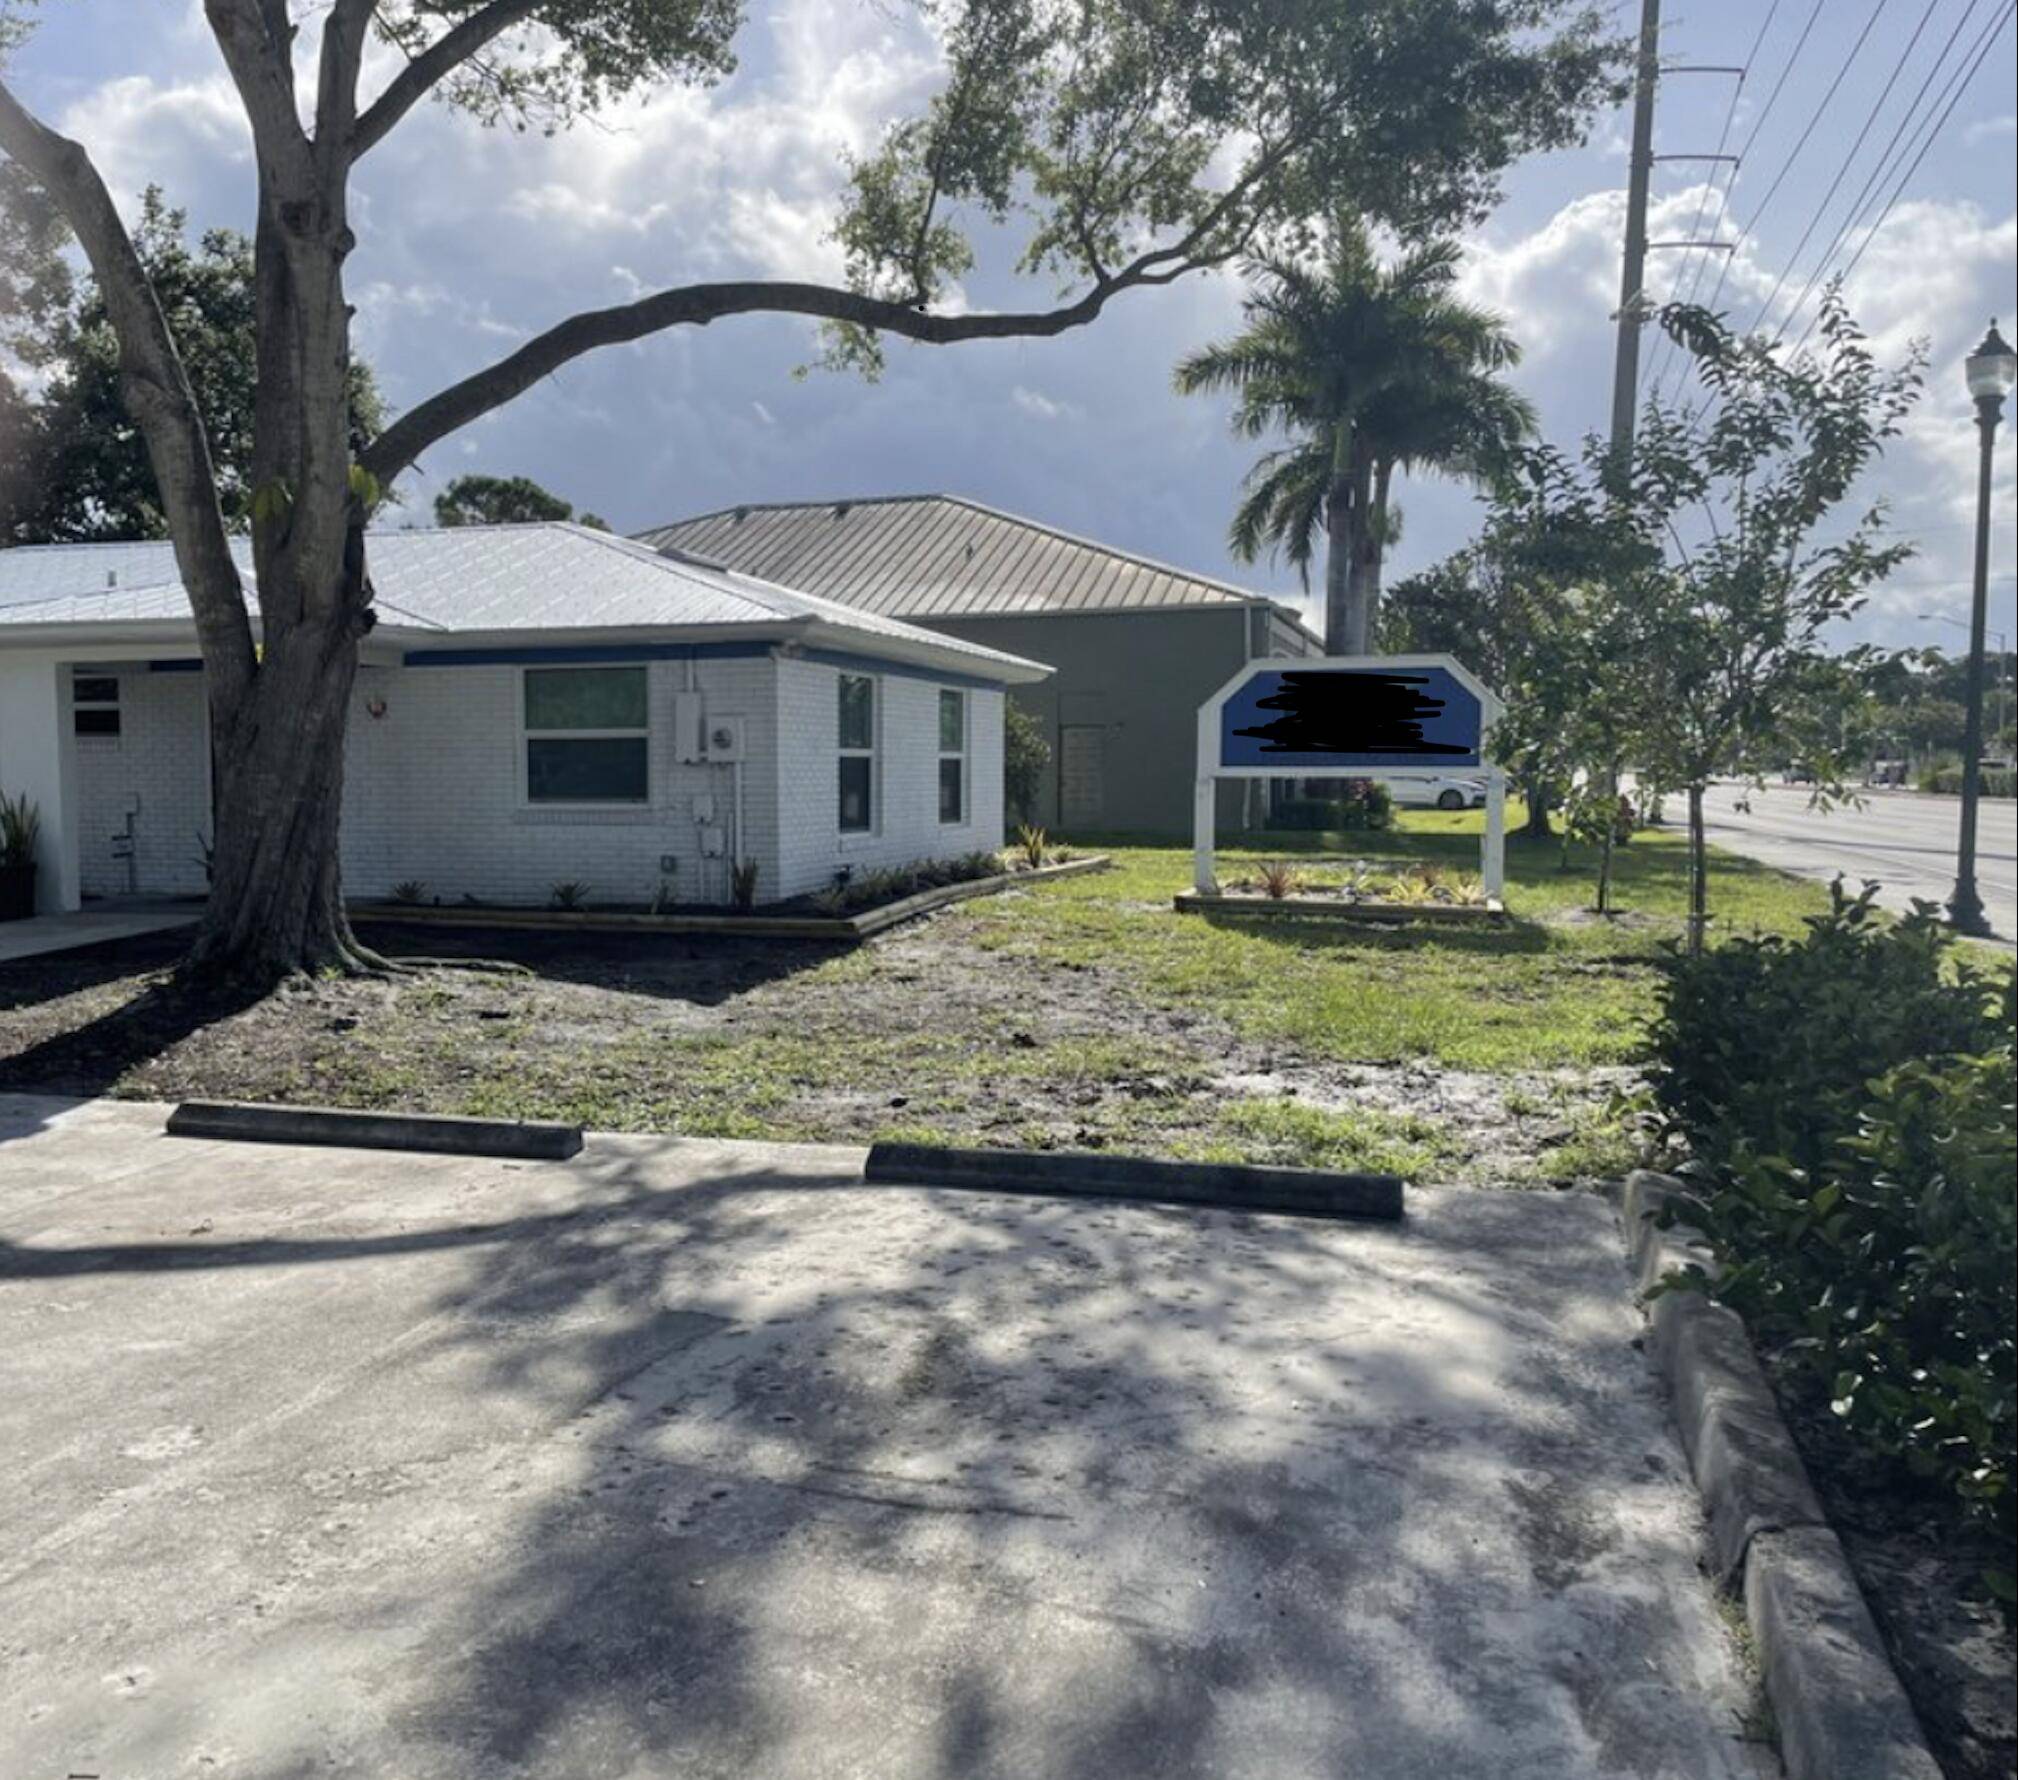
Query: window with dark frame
{"points": [[856, 736], [952, 756], [587, 735], [94, 702]]}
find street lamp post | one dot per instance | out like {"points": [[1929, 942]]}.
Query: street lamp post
{"points": [[1992, 369]]}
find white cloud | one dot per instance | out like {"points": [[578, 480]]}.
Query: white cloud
{"points": [[1042, 407]]}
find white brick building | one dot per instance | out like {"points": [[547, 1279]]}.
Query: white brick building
{"points": [[537, 705]]}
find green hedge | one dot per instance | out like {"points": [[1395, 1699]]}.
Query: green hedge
{"points": [[1358, 805], [1848, 1101], [1947, 780]]}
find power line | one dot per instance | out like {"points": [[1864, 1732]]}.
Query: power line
{"points": [[1829, 197], [1986, 44], [1666, 347], [1744, 153], [1906, 130]]}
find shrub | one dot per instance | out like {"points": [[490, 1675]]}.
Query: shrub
{"points": [[1947, 780], [1280, 879], [409, 890], [1030, 842], [1025, 755], [743, 883], [1848, 1099], [20, 827], [1888, 1277], [1354, 805], [570, 894], [1766, 1044]]}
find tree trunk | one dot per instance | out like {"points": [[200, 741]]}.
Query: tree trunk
{"points": [[276, 894], [1368, 553], [1537, 796], [1345, 568], [1699, 862], [1609, 808], [1338, 542]]}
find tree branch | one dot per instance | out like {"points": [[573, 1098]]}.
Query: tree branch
{"points": [[696, 305], [156, 390], [343, 39], [432, 66], [263, 72]]}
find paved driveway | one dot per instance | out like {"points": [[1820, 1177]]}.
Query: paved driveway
{"points": [[1903, 839], [705, 1460]]}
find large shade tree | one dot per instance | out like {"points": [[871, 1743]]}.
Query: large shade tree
{"points": [[1130, 141], [1370, 369]]}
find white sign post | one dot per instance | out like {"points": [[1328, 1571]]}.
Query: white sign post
{"points": [[1335, 717]]}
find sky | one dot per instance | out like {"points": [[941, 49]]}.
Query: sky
{"points": [[469, 240]]}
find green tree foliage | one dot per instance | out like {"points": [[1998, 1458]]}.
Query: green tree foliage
{"points": [[1369, 369], [505, 500], [73, 465], [1669, 610], [1026, 757]]}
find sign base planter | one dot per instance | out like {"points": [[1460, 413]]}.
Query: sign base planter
{"points": [[1075, 1174], [340, 1128], [1490, 913]]}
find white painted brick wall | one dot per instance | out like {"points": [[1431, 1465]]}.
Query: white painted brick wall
{"points": [[907, 776], [161, 756], [432, 792], [432, 787]]}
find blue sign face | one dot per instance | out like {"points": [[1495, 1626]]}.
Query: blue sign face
{"points": [[1351, 720]]}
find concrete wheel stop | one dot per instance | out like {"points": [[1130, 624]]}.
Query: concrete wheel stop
{"points": [[1841, 1710], [247, 1122], [1088, 1174]]}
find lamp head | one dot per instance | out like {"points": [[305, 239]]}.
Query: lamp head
{"points": [[1992, 368]]}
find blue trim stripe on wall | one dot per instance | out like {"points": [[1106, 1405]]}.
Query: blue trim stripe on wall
{"points": [[584, 653], [902, 670]]}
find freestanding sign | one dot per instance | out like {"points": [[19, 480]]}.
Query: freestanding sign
{"points": [[1349, 716]]}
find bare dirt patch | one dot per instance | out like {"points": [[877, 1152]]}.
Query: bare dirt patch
{"points": [[923, 1033]]}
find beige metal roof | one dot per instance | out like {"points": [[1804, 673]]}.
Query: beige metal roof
{"points": [[931, 556]]}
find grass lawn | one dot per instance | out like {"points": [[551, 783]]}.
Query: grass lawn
{"points": [[1555, 987], [1084, 1012]]}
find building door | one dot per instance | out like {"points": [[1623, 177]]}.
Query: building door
{"points": [[1082, 778]]}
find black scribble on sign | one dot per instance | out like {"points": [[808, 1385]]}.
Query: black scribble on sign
{"points": [[1351, 714]]}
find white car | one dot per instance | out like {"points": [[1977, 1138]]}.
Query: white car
{"points": [[1437, 791]]}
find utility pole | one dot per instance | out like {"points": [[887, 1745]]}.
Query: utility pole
{"points": [[1626, 371], [1632, 278]]}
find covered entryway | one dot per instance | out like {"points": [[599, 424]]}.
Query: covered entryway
{"points": [[115, 756], [142, 736]]}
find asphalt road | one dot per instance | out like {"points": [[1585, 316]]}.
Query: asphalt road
{"points": [[705, 1460], [1901, 838]]}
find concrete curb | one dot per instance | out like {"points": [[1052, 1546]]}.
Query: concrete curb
{"points": [[253, 1123], [1841, 1710], [1078, 1174]]}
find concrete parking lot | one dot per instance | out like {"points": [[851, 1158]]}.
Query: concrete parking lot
{"points": [[706, 1460]]}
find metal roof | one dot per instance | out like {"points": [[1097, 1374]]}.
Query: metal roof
{"points": [[928, 556], [488, 580]]}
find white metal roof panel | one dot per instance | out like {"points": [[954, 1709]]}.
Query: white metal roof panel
{"points": [[477, 579]]}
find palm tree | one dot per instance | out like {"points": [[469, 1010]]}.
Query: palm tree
{"points": [[1370, 369]]}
